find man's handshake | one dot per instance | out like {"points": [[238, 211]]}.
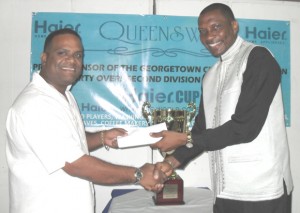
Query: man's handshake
{"points": [[154, 176]]}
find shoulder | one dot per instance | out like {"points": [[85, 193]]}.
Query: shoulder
{"points": [[32, 100], [262, 61], [262, 55], [259, 52]]}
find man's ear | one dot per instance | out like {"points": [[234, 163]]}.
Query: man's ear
{"points": [[235, 26], [43, 58]]}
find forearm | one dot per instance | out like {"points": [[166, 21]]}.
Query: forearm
{"points": [[100, 172], [107, 138], [94, 140]]}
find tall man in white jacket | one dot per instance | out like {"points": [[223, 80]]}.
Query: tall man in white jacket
{"points": [[240, 122]]}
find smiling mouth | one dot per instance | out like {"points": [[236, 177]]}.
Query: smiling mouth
{"points": [[214, 44], [68, 68]]}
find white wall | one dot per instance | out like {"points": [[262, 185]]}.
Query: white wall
{"points": [[15, 37]]}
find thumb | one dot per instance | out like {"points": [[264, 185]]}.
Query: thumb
{"points": [[156, 174], [155, 134], [115, 144]]}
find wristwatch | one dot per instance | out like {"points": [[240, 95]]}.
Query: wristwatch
{"points": [[138, 174], [189, 143]]}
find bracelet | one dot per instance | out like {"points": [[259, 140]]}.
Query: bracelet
{"points": [[102, 140]]}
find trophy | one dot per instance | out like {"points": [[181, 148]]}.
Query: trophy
{"points": [[179, 121]]}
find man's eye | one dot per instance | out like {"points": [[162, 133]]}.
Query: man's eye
{"points": [[202, 31], [78, 55], [61, 53], [217, 27]]}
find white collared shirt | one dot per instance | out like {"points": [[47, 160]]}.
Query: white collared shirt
{"points": [[44, 132]]}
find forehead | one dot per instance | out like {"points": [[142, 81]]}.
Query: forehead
{"points": [[66, 40], [213, 16]]}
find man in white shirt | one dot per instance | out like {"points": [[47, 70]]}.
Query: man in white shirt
{"points": [[50, 169]]}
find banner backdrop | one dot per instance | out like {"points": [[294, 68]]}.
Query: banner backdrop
{"points": [[130, 59]]}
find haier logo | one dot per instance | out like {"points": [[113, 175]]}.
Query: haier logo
{"points": [[45, 27], [267, 34]]}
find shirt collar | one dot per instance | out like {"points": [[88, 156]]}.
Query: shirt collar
{"points": [[37, 78], [232, 50], [48, 88]]}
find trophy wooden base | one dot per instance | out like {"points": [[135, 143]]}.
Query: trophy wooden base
{"points": [[172, 193]]}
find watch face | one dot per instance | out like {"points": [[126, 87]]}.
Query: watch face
{"points": [[138, 175]]}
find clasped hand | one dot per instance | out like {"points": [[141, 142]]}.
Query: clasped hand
{"points": [[155, 175]]}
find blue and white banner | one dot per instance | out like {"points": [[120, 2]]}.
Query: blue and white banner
{"points": [[130, 59]]}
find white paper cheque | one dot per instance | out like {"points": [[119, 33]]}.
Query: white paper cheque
{"points": [[140, 136]]}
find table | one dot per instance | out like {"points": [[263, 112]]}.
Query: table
{"points": [[196, 200]]}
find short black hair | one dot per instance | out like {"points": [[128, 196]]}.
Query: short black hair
{"points": [[59, 32], [223, 8]]}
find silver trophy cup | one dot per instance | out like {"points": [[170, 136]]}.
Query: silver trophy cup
{"points": [[176, 120]]}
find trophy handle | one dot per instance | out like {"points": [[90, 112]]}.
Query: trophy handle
{"points": [[192, 113], [146, 112]]}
